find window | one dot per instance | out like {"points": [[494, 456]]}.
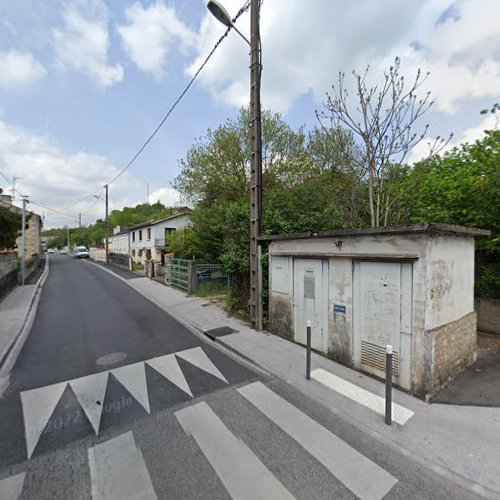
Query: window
{"points": [[168, 230], [148, 233], [133, 236], [140, 234]]}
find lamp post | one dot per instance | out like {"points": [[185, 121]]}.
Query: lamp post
{"points": [[255, 133]]}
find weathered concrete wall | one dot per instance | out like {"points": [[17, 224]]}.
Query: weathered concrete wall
{"points": [[340, 338], [488, 315], [280, 315], [450, 282], [452, 347]]}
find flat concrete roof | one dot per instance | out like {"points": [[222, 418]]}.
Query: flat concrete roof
{"points": [[433, 228]]}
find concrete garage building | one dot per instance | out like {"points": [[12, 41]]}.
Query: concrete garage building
{"points": [[408, 286]]}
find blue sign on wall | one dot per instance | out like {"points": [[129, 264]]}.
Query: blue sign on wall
{"points": [[338, 309]]}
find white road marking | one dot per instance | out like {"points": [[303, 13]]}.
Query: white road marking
{"points": [[38, 405], [88, 390], [11, 487], [362, 476], [170, 369], [400, 414], [197, 357], [133, 378], [241, 472], [118, 471]]}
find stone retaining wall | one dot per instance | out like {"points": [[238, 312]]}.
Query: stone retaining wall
{"points": [[488, 315], [453, 347], [8, 272]]}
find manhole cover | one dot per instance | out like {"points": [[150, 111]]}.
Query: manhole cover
{"points": [[111, 359]]}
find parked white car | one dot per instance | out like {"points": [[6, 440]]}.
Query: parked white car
{"points": [[81, 253]]}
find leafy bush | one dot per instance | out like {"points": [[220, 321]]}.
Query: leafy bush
{"points": [[487, 284]]}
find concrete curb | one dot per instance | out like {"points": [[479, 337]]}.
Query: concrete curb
{"points": [[194, 328], [11, 355], [441, 471]]}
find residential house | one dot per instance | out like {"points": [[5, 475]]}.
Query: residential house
{"points": [[149, 240], [33, 230], [119, 243]]}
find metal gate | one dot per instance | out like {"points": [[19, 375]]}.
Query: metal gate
{"points": [[179, 273]]}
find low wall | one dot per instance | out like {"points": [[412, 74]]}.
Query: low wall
{"points": [[488, 315], [97, 254], [8, 272], [120, 260], [453, 347]]}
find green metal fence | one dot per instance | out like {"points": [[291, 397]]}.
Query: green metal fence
{"points": [[179, 273]]}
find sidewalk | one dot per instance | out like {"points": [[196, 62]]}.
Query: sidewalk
{"points": [[17, 311], [461, 443]]}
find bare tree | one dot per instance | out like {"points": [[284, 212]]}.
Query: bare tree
{"points": [[384, 119]]}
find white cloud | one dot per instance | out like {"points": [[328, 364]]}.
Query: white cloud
{"points": [[19, 69], [304, 48], [151, 34], [82, 43], [168, 196], [470, 135], [58, 179]]}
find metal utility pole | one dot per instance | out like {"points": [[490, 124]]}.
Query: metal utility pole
{"points": [[79, 220], [106, 226], [255, 169], [23, 242], [67, 231]]}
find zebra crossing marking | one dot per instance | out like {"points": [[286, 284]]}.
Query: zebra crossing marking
{"points": [[197, 357], [118, 470], [11, 487], [363, 477], [241, 472], [170, 369], [133, 378], [400, 414], [88, 390], [39, 404]]}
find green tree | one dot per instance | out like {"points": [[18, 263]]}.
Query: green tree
{"points": [[462, 187], [10, 228], [304, 190]]}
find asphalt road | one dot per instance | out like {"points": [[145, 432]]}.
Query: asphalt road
{"points": [[112, 398]]}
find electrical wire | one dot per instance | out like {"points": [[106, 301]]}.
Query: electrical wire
{"points": [[164, 119], [242, 10]]}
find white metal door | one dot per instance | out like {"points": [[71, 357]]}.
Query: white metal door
{"points": [[377, 315], [308, 300]]}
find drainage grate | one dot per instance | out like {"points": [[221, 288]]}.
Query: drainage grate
{"points": [[219, 332], [373, 355]]}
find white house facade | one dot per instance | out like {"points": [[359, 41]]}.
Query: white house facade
{"points": [[149, 240], [119, 242]]}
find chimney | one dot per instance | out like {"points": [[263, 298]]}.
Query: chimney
{"points": [[116, 230]]}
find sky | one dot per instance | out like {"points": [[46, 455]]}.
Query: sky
{"points": [[84, 82]]}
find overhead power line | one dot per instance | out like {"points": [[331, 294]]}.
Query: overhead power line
{"points": [[164, 119], [151, 136]]}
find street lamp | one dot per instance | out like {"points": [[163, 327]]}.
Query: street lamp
{"points": [[222, 15]]}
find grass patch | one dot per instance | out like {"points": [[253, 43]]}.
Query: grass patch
{"points": [[137, 267]]}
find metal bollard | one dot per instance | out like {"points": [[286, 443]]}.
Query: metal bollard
{"points": [[308, 354], [388, 384]]}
